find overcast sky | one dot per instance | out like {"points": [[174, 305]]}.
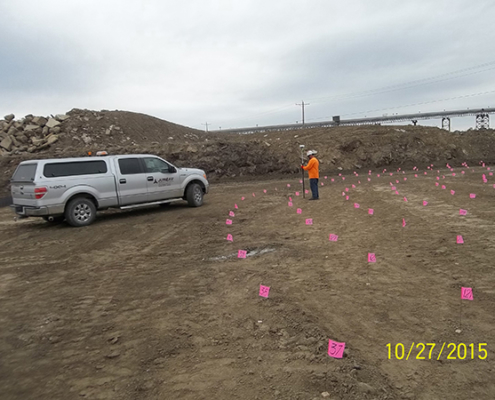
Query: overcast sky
{"points": [[235, 63]]}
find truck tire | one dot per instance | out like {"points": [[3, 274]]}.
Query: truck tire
{"points": [[80, 211], [194, 195]]}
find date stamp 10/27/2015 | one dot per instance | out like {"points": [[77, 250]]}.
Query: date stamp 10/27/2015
{"points": [[426, 351]]}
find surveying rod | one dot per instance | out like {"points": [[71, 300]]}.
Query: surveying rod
{"points": [[301, 146]]}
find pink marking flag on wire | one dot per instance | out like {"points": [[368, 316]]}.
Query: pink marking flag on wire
{"points": [[466, 293], [462, 212], [300, 180], [393, 188], [396, 192], [264, 190], [290, 198], [425, 203], [472, 196], [347, 197], [460, 240], [242, 198], [371, 258], [438, 178], [333, 237], [443, 187], [370, 211], [254, 195], [369, 180], [288, 185], [436, 183], [321, 183], [241, 254], [325, 177], [236, 206], [309, 221], [297, 193], [403, 222], [231, 214], [306, 191], [343, 178], [230, 238], [452, 192], [228, 222], [289, 204], [356, 205], [415, 175], [333, 180], [346, 189], [336, 349], [299, 211], [354, 186], [264, 291], [378, 175]]}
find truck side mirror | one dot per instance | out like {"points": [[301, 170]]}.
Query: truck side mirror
{"points": [[172, 169]]}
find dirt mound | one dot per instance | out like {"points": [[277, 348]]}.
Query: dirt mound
{"points": [[234, 156]]}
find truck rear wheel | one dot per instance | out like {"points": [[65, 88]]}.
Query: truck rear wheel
{"points": [[194, 195], [80, 211]]}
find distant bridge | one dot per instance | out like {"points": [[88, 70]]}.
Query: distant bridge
{"points": [[482, 119]]}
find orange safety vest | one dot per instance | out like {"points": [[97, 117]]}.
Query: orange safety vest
{"points": [[312, 168]]}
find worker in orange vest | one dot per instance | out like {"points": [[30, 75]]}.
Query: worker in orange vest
{"points": [[313, 172]]}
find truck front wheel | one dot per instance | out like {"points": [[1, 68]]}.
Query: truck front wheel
{"points": [[80, 211], [194, 195]]}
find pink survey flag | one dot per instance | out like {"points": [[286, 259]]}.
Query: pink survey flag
{"points": [[309, 221], [396, 181], [228, 222], [396, 192], [321, 183], [306, 191], [340, 174], [336, 349], [462, 212], [290, 204], [300, 180], [346, 189], [242, 198], [236, 206], [378, 175], [405, 179], [393, 188], [343, 178], [463, 172], [241, 254], [333, 238], [297, 193], [443, 187], [290, 198], [354, 186], [472, 196], [425, 203], [436, 183], [333, 180], [466, 293], [415, 175], [452, 192], [230, 238], [288, 185], [370, 211], [371, 257], [356, 205], [325, 177], [347, 197], [231, 214], [264, 190], [299, 211], [264, 291], [403, 222], [343, 193], [438, 178], [369, 180], [254, 195], [460, 240]]}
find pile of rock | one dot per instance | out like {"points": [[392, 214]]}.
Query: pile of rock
{"points": [[30, 134]]}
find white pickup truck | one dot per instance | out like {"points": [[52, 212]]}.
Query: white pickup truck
{"points": [[75, 188]]}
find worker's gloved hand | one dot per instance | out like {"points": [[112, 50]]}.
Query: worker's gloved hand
{"points": [[302, 166]]}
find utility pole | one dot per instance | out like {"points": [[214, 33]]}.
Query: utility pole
{"points": [[302, 106], [206, 126]]}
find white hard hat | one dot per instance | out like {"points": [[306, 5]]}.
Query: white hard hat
{"points": [[311, 153]]}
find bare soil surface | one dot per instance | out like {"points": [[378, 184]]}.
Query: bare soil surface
{"points": [[155, 304]]}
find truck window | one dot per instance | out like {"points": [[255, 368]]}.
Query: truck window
{"points": [[75, 168], [130, 166], [154, 164], [24, 173]]}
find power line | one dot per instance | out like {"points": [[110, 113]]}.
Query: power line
{"points": [[302, 106]]}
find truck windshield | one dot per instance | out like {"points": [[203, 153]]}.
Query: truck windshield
{"points": [[24, 173]]}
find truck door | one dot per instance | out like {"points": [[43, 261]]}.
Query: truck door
{"points": [[163, 182], [131, 181]]}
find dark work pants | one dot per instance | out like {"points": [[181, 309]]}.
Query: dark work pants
{"points": [[313, 183]]}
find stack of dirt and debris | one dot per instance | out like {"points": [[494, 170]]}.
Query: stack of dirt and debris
{"points": [[234, 156]]}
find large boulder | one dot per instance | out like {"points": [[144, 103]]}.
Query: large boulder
{"points": [[52, 122], [55, 130], [28, 118], [9, 117], [37, 142], [30, 127], [52, 139], [61, 117], [7, 143], [40, 121]]}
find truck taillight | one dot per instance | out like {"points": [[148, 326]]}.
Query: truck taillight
{"points": [[39, 192]]}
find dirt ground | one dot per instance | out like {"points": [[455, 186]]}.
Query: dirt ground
{"points": [[155, 304]]}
